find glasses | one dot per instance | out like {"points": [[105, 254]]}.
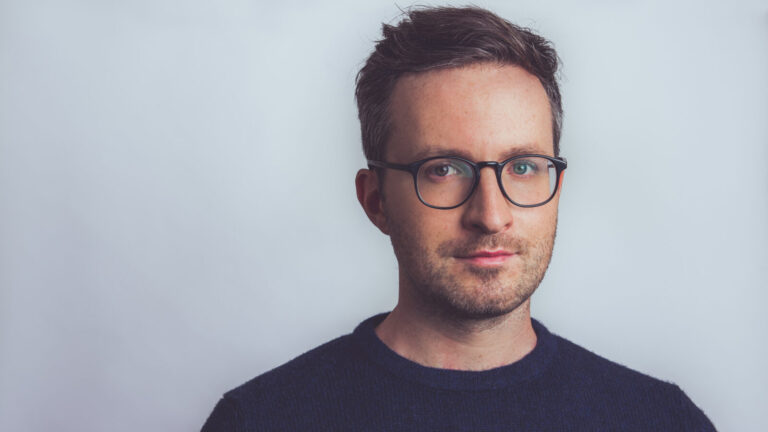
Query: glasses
{"points": [[444, 183]]}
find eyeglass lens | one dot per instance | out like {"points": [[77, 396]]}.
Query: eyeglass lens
{"points": [[447, 182]]}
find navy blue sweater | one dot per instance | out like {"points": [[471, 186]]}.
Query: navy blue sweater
{"points": [[356, 383]]}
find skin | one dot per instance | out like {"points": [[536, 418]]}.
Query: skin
{"points": [[453, 312]]}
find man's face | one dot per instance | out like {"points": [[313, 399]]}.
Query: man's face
{"points": [[486, 257]]}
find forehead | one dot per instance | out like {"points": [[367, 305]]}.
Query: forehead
{"points": [[483, 112]]}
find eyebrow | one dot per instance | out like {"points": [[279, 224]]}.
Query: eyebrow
{"points": [[514, 151]]}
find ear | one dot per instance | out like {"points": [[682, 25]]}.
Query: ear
{"points": [[560, 182], [370, 197]]}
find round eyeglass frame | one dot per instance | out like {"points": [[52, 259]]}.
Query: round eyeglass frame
{"points": [[560, 164]]}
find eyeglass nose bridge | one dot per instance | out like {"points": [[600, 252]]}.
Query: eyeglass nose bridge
{"points": [[497, 167]]}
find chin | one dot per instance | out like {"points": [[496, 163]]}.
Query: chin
{"points": [[468, 304]]}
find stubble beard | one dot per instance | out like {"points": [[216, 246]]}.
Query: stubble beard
{"points": [[475, 293]]}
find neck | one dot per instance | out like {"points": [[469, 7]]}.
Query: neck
{"points": [[440, 341]]}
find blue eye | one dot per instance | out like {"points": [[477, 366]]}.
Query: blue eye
{"points": [[524, 167]]}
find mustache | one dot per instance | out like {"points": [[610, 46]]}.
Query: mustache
{"points": [[466, 247]]}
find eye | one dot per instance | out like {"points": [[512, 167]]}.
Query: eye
{"points": [[524, 167], [444, 170]]}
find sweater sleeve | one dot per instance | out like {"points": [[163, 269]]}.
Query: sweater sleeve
{"points": [[224, 418], [693, 418]]}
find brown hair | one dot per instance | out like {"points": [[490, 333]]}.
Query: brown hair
{"points": [[446, 37]]}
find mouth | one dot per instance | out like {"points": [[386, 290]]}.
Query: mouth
{"points": [[487, 258]]}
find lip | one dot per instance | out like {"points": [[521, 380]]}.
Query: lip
{"points": [[487, 258]]}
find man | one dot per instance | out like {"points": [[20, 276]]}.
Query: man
{"points": [[461, 116]]}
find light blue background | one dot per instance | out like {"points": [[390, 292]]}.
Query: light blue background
{"points": [[177, 209]]}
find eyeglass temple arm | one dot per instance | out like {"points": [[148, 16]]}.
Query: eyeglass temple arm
{"points": [[382, 164]]}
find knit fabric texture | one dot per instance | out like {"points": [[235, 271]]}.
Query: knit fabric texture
{"points": [[356, 383]]}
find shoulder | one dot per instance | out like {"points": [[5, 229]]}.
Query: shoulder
{"points": [[599, 384], [581, 363], [291, 387], [572, 364], [313, 368]]}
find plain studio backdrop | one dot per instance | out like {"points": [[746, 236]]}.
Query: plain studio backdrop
{"points": [[178, 215]]}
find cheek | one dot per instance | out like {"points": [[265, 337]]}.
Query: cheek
{"points": [[425, 223], [432, 229], [418, 224], [537, 222]]}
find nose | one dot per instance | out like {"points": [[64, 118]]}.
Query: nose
{"points": [[487, 210]]}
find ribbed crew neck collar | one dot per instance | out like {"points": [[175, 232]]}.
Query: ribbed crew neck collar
{"points": [[528, 367]]}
